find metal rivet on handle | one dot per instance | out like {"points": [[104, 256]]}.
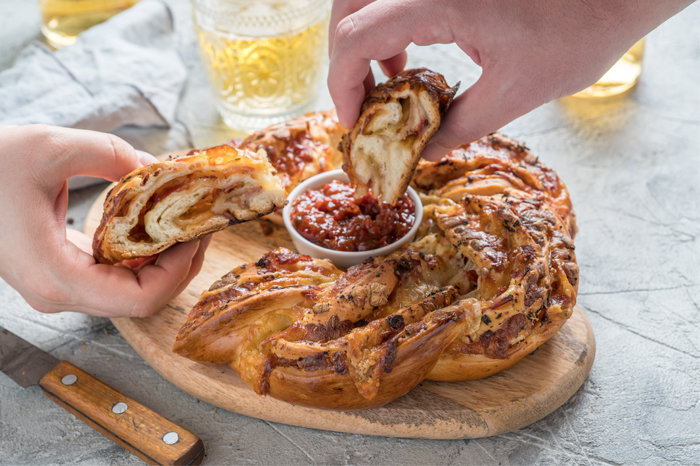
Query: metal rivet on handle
{"points": [[69, 379], [119, 408], [171, 438]]}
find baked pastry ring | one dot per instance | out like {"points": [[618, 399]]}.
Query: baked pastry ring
{"points": [[397, 119], [182, 199], [491, 275]]}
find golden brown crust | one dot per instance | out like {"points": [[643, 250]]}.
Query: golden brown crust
{"points": [[489, 166], [183, 199], [243, 296], [397, 119], [299, 148], [456, 366], [491, 275], [402, 362]]}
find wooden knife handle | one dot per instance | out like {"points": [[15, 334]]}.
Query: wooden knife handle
{"points": [[144, 433]]}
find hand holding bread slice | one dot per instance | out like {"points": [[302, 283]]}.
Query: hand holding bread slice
{"points": [[396, 121]]}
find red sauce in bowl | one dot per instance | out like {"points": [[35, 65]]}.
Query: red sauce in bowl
{"points": [[332, 218]]}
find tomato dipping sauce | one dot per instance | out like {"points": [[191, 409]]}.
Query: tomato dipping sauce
{"points": [[331, 217]]}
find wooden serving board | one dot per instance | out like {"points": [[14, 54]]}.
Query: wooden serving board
{"points": [[503, 402]]}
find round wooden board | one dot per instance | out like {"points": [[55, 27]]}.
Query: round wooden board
{"points": [[503, 402]]}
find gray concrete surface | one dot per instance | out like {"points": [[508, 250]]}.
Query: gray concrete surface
{"points": [[633, 168]]}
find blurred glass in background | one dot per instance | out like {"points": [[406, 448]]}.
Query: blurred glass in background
{"points": [[620, 78], [63, 20], [265, 59]]}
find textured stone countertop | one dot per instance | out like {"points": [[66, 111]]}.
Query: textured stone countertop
{"points": [[633, 168]]}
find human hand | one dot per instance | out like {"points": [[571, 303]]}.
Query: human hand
{"points": [[530, 52], [53, 269]]}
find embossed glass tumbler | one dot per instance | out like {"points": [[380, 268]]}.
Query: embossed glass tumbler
{"points": [[265, 59]]}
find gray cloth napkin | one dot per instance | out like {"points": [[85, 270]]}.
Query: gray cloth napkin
{"points": [[126, 71]]}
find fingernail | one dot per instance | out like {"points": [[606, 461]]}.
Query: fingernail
{"points": [[145, 158], [434, 151]]}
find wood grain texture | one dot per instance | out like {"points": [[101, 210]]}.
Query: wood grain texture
{"points": [[138, 429], [506, 401]]}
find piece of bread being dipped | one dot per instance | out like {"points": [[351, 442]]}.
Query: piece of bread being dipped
{"points": [[397, 119]]}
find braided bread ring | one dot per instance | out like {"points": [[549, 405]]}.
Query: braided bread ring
{"points": [[491, 276]]}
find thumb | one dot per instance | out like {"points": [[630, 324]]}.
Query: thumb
{"points": [[90, 153], [485, 107]]}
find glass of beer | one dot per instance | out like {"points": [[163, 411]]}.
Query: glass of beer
{"points": [[620, 78], [265, 59], [63, 20]]}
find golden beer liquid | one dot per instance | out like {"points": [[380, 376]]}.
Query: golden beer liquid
{"points": [[620, 78], [261, 80], [63, 20]]}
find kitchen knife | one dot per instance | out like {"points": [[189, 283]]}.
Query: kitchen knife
{"points": [[144, 433]]}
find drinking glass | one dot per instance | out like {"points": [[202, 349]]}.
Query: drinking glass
{"points": [[265, 59], [63, 20], [620, 78]]}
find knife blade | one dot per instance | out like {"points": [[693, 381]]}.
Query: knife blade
{"points": [[143, 432], [23, 362]]}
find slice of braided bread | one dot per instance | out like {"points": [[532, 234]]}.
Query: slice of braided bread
{"points": [[179, 200], [397, 120]]}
